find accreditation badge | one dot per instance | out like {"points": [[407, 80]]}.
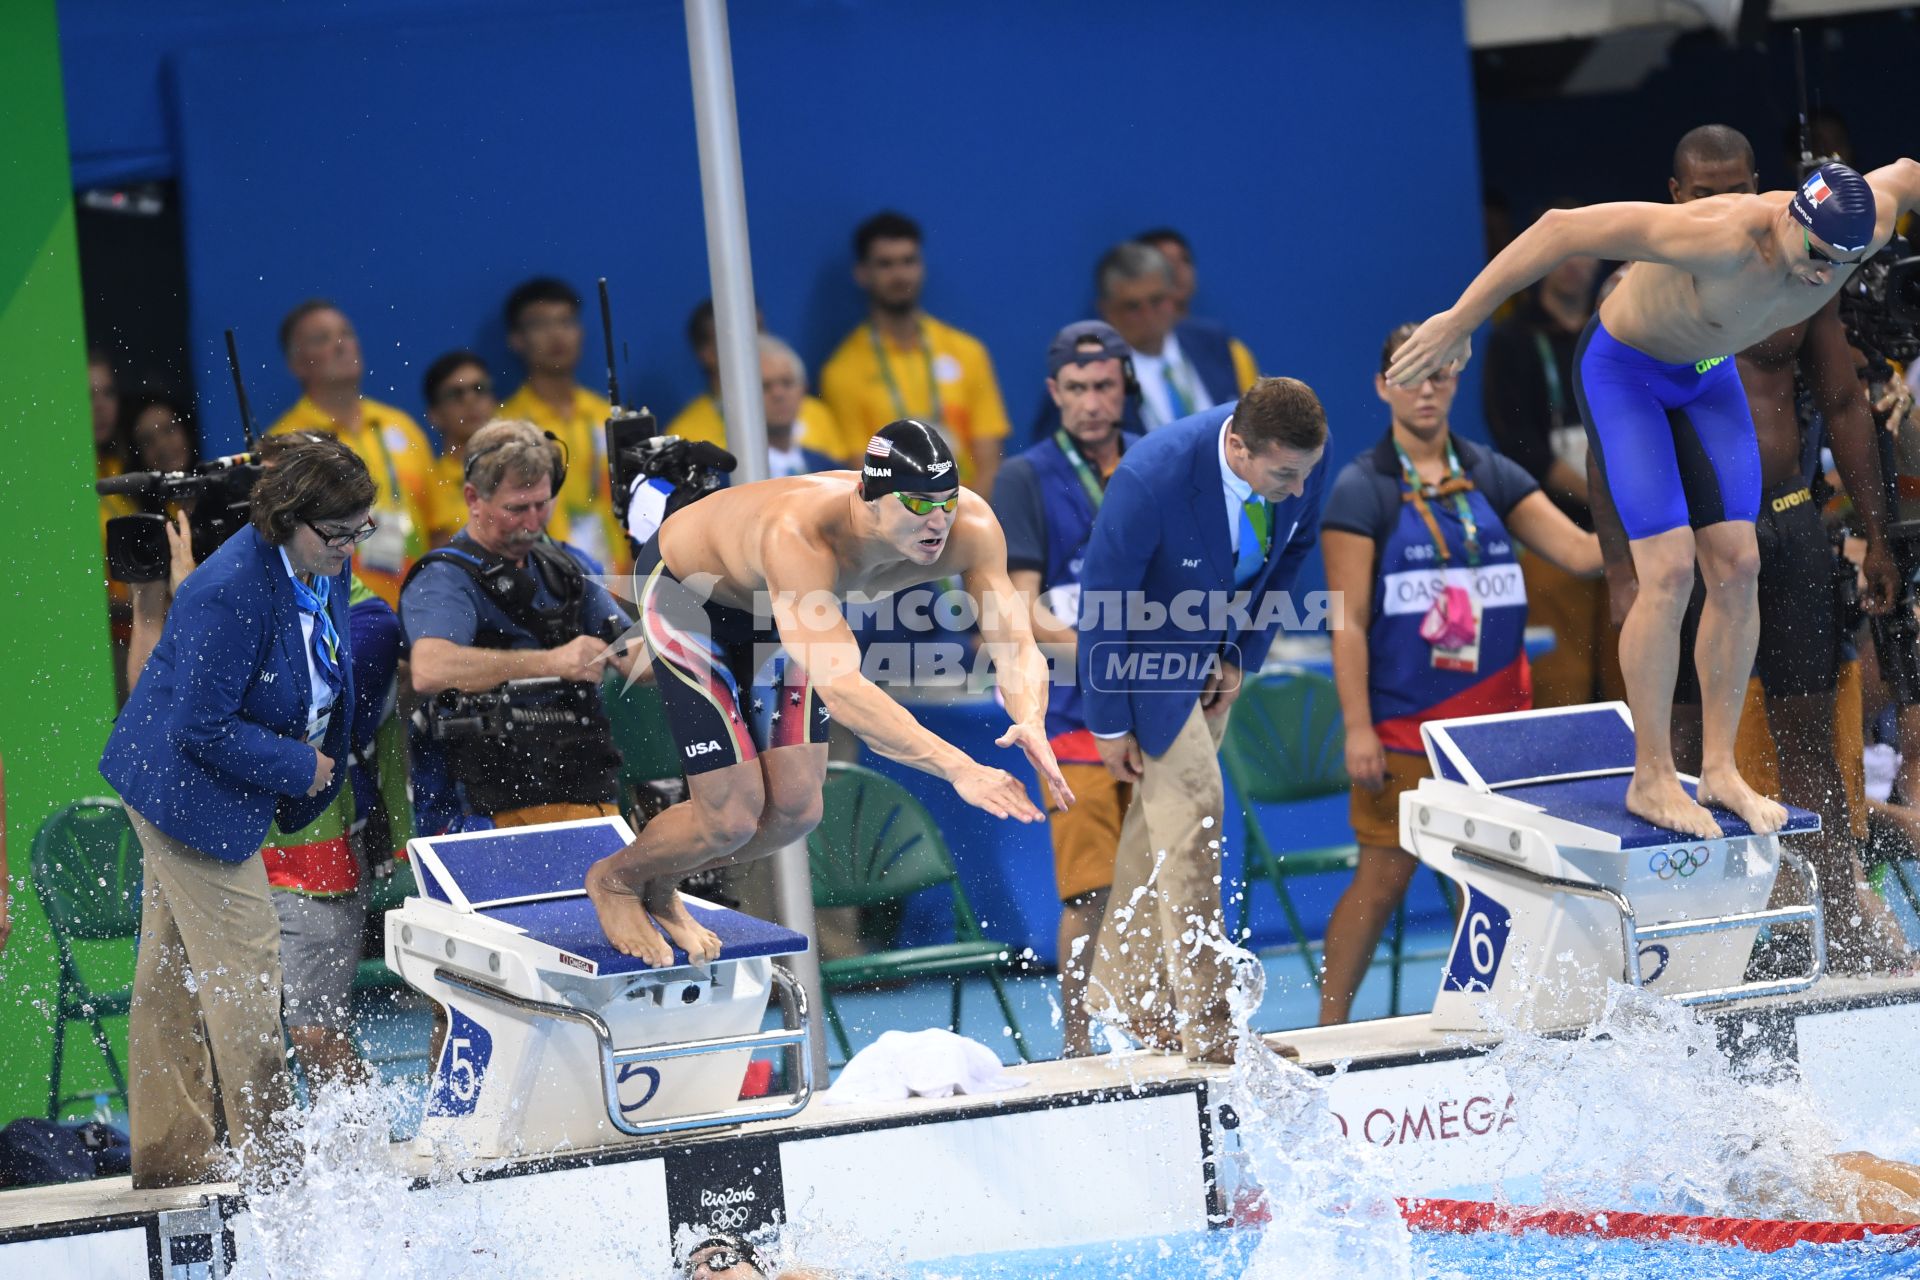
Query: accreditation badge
{"points": [[385, 550], [1452, 625]]}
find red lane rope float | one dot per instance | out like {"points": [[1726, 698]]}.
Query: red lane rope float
{"points": [[1762, 1235]]}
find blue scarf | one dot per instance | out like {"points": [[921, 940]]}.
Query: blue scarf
{"points": [[326, 639]]}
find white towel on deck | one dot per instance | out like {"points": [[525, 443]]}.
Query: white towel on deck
{"points": [[925, 1064]]}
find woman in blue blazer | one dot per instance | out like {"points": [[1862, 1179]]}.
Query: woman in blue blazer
{"points": [[238, 720]]}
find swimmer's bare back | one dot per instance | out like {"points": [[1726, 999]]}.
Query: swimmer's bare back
{"points": [[731, 535], [1708, 278]]}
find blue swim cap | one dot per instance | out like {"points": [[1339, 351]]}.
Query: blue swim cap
{"points": [[1836, 204]]}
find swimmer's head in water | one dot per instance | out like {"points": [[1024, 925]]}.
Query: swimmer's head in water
{"points": [[908, 457], [722, 1255], [1835, 204]]}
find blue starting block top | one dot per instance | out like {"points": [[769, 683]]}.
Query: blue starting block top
{"points": [[534, 878], [1601, 803], [1573, 762]]}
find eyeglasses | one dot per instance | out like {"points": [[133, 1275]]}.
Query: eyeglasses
{"points": [[1818, 255], [461, 390], [338, 540], [927, 506]]}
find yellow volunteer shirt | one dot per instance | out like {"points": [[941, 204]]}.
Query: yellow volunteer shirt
{"points": [[1246, 370], [583, 514], [865, 394], [819, 429], [400, 461], [449, 512]]}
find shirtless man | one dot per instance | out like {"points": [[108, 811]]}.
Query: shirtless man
{"points": [[749, 703], [1668, 421], [1799, 640]]}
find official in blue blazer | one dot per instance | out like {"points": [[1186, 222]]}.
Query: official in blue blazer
{"points": [[1204, 522], [239, 718]]}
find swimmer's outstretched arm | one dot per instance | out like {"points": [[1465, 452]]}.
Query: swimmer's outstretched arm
{"points": [[1896, 193], [1020, 669], [800, 576], [1697, 236]]}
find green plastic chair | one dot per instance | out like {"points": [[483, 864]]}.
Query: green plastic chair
{"points": [[1285, 744], [876, 844], [87, 875], [648, 751]]}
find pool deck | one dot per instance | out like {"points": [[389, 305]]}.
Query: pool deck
{"points": [[1395, 1077]]}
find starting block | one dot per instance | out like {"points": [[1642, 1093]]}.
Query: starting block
{"points": [[554, 1039], [1565, 889]]}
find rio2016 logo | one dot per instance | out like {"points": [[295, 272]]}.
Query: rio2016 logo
{"points": [[1670, 864]]}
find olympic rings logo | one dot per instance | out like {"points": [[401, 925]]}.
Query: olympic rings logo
{"points": [[732, 1218], [1678, 862]]}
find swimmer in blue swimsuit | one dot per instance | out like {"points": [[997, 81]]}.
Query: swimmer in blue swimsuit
{"points": [[1669, 424]]}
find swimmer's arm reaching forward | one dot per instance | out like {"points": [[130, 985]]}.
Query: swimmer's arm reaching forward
{"points": [[1896, 193], [1020, 669], [800, 575], [1697, 236]]}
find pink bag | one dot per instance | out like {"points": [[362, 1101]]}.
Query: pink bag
{"points": [[1450, 623]]}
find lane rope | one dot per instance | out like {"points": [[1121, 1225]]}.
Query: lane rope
{"points": [[1761, 1235]]}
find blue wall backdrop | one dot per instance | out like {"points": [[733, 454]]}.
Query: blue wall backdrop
{"points": [[413, 159]]}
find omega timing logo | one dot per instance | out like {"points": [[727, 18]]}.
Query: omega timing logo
{"points": [[1680, 864], [1447, 1120], [728, 1209]]}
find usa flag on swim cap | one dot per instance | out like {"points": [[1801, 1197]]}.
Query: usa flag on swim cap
{"points": [[880, 447]]}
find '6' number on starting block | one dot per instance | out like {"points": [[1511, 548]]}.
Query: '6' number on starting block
{"points": [[1478, 945]]}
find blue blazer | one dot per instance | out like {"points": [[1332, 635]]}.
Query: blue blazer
{"points": [[1207, 346], [211, 748], [1161, 539]]}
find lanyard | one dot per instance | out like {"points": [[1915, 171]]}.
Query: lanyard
{"points": [[893, 387], [1096, 492], [393, 472], [1556, 394], [1456, 486]]}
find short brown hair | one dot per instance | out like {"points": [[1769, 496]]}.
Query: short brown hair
{"points": [[1280, 411], [292, 319], [510, 447], [317, 478]]}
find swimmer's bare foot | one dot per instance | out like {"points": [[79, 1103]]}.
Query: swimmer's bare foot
{"points": [[669, 910], [1665, 803], [1726, 789], [624, 919]]}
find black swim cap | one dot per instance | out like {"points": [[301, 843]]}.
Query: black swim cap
{"points": [[1836, 204], [907, 457]]}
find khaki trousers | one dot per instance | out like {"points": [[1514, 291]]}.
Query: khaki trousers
{"points": [[206, 1050], [1151, 965]]}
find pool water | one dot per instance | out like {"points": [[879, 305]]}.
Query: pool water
{"points": [[1232, 1254]]}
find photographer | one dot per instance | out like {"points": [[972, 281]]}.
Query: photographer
{"points": [[236, 724], [502, 604]]}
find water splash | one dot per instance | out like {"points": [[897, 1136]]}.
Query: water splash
{"points": [[348, 1209], [1331, 1214], [1644, 1110]]}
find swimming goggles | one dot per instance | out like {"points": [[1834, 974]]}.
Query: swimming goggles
{"points": [[927, 506]]}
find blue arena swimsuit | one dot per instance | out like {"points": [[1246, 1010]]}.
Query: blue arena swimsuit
{"points": [[1675, 442]]}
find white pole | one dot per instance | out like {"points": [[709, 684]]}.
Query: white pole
{"points": [[723, 192]]}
